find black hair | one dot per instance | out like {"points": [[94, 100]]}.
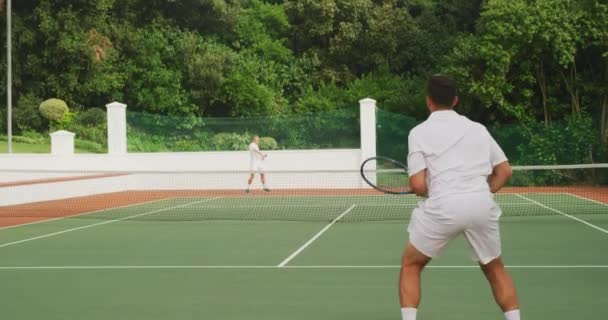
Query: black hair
{"points": [[442, 90]]}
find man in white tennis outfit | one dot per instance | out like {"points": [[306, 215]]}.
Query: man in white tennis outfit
{"points": [[457, 166], [256, 163]]}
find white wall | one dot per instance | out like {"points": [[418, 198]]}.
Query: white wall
{"points": [[61, 190], [55, 190], [339, 171], [292, 160], [232, 165]]}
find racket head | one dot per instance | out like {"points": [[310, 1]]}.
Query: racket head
{"points": [[386, 175]]}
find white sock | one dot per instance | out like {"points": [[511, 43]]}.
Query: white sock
{"points": [[512, 315], [409, 313]]}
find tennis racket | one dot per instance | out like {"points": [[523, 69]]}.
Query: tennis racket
{"points": [[386, 175]]}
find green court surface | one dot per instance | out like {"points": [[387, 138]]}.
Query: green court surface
{"points": [[286, 258]]}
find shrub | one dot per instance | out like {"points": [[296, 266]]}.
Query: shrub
{"points": [[34, 135], [185, 145], [268, 143], [142, 143], [567, 142], [26, 116], [95, 134], [54, 109], [230, 141], [65, 122], [90, 146], [94, 117], [90, 125], [30, 140], [3, 120]]}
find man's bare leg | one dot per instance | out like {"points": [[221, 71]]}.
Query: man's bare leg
{"points": [[263, 178], [249, 182], [502, 288], [412, 264]]}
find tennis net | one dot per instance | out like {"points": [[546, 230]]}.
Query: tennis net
{"points": [[305, 196]]}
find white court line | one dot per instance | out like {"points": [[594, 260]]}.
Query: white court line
{"points": [[103, 223], [82, 214], [565, 214], [307, 206], [449, 267], [245, 267], [315, 237], [587, 199]]}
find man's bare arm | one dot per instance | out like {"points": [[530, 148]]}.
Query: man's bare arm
{"points": [[418, 184], [500, 176], [263, 155]]}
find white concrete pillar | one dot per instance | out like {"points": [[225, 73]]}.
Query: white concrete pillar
{"points": [[367, 109], [62, 143], [117, 128], [367, 112]]}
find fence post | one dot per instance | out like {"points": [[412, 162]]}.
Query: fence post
{"points": [[117, 128], [367, 109], [62, 143]]}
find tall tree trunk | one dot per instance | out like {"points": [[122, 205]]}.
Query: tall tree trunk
{"points": [[576, 101], [570, 82], [604, 116], [542, 84], [604, 121]]}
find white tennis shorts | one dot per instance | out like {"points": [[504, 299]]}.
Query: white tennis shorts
{"points": [[436, 222], [257, 167]]}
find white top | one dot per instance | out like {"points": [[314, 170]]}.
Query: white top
{"points": [[254, 153], [458, 153]]}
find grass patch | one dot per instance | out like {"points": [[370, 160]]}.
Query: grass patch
{"points": [[82, 146], [19, 147]]}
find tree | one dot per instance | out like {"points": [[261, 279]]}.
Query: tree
{"points": [[154, 65], [351, 37], [68, 54], [520, 48]]}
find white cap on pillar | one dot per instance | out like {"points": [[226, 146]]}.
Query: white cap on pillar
{"points": [[62, 143]]}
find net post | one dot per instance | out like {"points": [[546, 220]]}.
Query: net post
{"points": [[117, 128]]}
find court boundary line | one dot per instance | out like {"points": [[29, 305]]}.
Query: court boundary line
{"points": [[589, 224], [273, 267], [412, 206], [587, 199], [315, 237], [85, 213], [103, 223]]}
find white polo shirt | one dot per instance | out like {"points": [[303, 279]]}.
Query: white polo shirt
{"points": [[458, 153], [254, 154]]}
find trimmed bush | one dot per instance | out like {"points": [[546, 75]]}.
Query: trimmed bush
{"points": [[230, 141], [54, 109], [268, 143]]}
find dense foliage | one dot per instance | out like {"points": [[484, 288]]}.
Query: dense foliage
{"points": [[534, 71]]}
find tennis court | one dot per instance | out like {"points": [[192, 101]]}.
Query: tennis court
{"points": [[294, 255]]}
